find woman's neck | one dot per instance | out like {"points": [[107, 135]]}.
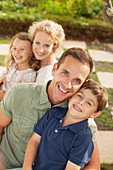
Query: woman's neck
{"points": [[48, 61]]}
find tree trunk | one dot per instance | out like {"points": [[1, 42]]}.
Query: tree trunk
{"points": [[108, 12]]}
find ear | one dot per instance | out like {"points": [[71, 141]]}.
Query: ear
{"points": [[54, 69], [94, 115]]}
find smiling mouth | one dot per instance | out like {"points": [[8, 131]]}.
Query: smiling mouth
{"points": [[18, 58], [40, 54], [77, 108], [62, 89]]}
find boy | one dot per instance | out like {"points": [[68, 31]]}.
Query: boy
{"points": [[62, 137]]}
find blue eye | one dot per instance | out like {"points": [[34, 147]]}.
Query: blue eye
{"points": [[37, 43], [89, 104], [64, 73], [78, 81], [80, 96], [46, 45]]}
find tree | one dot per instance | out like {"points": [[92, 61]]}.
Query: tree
{"points": [[108, 12]]}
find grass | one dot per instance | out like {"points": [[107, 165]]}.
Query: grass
{"points": [[2, 59], [5, 41], [106, 166]]}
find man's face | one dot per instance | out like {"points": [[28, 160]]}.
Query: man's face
{"points": [[67, 80]]}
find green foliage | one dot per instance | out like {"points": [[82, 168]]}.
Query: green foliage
{"points": [[105, 166], [2, 60], [74, 8]]}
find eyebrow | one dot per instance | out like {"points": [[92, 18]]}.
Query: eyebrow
{"points": [[88, 98]]}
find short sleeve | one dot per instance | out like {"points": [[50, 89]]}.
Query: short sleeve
{"points": [[93, 127], [82, 150], [7, 103]]}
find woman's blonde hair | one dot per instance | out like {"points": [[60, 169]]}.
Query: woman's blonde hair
{"points": [[55, 30], [10, 60]]}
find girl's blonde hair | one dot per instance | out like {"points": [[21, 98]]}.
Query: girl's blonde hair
{"points": [[10, 60], [55, 30]]}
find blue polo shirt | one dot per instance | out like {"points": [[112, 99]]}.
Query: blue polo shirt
{"points": [[59, 144]]}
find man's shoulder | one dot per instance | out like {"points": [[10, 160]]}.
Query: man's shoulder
{"points": [[28, 88]]}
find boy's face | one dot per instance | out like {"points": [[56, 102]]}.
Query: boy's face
{"points": [[82, 105]]}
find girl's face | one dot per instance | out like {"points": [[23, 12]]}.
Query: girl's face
{"points": [[21, 51], [42, 45]]}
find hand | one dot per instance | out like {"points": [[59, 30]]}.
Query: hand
{"points": [[3, 80]]}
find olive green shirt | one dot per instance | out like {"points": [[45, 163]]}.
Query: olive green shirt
{"points": [[25, 104]]}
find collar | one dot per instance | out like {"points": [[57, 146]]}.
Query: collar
{"points": [[76, 127]]}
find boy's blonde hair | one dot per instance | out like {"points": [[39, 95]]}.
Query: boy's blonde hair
{"points": [[55, 30], [98, 91], [10, 60]]}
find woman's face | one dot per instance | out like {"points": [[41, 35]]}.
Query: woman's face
{"points": [[42, 45]]}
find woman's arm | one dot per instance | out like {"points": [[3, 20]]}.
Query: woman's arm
{"points": [[31, 151]]}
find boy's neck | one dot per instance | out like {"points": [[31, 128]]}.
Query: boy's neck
{"points": [[67, 120]]}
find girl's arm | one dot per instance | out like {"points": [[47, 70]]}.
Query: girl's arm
{"points": [[31, 151], [4, 121], [2, 93], [3, 80]]}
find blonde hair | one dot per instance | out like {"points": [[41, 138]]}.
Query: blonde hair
{"points": [[55, 30], [10, 60]]}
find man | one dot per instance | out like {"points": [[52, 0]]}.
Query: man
{"points": [[25, 104]]}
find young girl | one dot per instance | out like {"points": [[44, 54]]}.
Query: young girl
{"points": [[47, 36], [19, 64]]}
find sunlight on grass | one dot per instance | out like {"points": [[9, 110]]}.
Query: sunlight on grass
{"points": [[2, 60], [5, 41]]}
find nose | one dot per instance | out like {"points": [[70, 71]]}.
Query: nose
{"points": [[81, 102], [17, 51], [41, 49], [68, 85]]}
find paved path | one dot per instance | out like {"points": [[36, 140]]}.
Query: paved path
{"points": [[104, 138]]}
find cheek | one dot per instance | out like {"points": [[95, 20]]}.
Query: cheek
{"points": [[76, 88], [50, 49]]}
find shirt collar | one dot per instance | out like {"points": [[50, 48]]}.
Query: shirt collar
{"points": [[73, 127], [44, 97]]}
